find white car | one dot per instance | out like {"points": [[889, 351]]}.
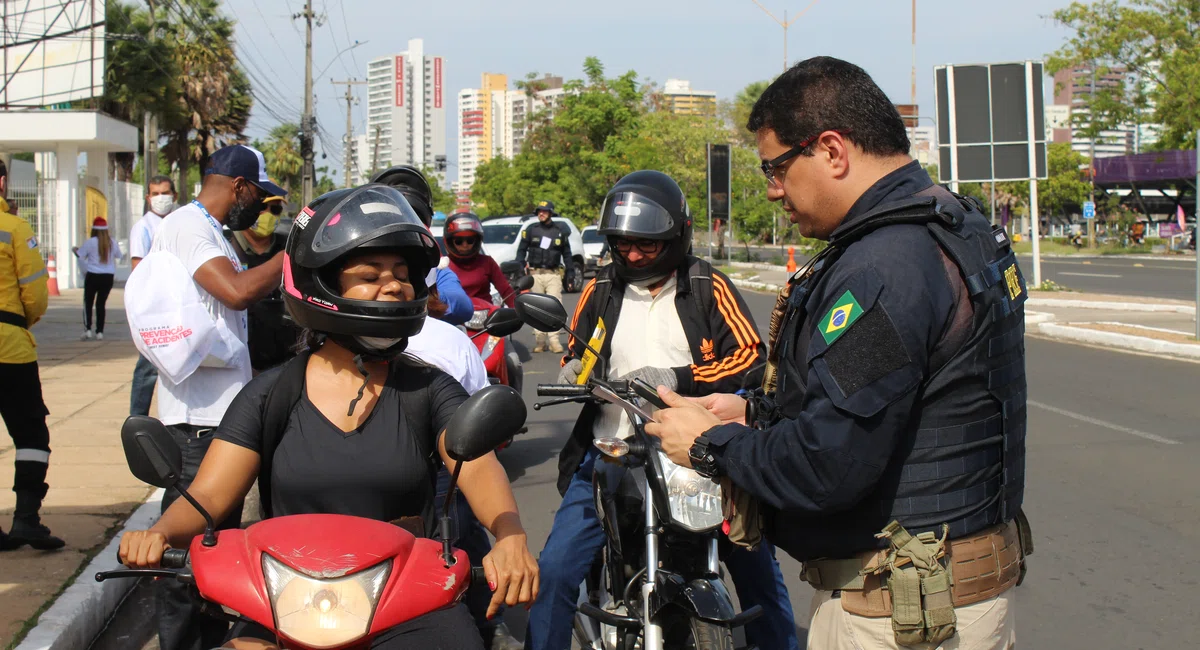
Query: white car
{"points": [[593, 243], [502, 236]]}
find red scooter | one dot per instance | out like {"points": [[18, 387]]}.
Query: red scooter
{"points": [[324, 582], [502, 363]]}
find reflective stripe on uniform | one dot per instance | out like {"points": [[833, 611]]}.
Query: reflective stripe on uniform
{"points": [[33, 455], [5, 237], [30, 278]]}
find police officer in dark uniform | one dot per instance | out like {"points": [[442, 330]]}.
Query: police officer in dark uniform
{"points": [[548, 247], [271, 337], [887, 449]]}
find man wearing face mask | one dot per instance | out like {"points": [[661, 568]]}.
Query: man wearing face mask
{"points": [[160, 199], [233, 193], [272, 337]]}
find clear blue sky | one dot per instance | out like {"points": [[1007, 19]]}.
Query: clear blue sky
{"points": [[718, 45]]}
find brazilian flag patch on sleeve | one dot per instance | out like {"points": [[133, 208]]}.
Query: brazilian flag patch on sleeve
{"points": [[839, 319]]}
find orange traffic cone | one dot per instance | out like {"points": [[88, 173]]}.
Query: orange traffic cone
{"points": [[52, 274], [791, 265]]}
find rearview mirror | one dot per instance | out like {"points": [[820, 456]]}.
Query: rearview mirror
{"points": [[524, 284], [511, 267], [151, 452], [487, 420], [502, 322], [541, 312]]}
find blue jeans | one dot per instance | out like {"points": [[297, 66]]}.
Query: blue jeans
{"points": [[471, 537], [142, 391], [576, 539]]}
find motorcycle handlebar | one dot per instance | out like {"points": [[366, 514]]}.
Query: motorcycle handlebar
{"points": [[619, 387], [174, 558]]}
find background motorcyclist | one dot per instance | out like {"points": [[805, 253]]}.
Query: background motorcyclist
{"points": [[546, 248], [413, 185], [477, 271], [672, 320], [360, 295]]}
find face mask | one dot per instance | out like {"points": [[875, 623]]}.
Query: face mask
{"points": [[162, 204], [244, 212], [265, 226], [377, 343]]}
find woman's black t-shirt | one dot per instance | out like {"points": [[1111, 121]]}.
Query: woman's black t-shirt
{"points": [[379, 471]]}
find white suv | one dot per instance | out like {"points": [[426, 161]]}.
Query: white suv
{"points": [[502, 236]]}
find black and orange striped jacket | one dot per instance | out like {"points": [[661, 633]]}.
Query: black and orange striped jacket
{"points": [[727, 351]]}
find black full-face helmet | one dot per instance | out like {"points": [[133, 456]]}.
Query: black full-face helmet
{"points": [[413, 185], [326, 233], [647, 205]]}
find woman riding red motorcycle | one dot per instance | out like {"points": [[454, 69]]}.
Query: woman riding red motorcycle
{"points": [[477, 271], [354, 277]]}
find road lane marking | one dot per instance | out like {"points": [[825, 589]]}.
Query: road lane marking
{"points": [[1139, 266], [1101, 423], [1089, 275], [1086, 262]]}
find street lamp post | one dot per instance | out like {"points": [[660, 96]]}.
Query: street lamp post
{"points": [[785, 23]]}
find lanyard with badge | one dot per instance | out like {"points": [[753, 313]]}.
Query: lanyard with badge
{"points": [[237, 263], [229, 252]]}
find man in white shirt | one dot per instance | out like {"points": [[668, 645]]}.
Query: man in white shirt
{"points": [[160, 201], [235, 186]]}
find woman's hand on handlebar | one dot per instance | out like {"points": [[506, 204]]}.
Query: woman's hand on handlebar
{"points": [[143, 549], [512, 573]]}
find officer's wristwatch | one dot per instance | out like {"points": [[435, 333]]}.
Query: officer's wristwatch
{"points": [[703, 460]]}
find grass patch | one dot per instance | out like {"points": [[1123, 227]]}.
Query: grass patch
{"points": [[1048, 285]]}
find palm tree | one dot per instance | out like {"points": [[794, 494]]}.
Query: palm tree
{"points": [[282, 152]]}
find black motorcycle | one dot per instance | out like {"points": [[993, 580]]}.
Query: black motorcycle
{"points": [[657, 583]]}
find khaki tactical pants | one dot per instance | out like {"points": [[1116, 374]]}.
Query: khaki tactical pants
{"points": [[550, 283], [987, 625]]}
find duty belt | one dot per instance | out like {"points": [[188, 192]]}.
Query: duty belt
{"points": [[981, 566], [16, 320]]}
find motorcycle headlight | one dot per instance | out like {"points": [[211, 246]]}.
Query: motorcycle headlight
{"points": [[323, 613], [695, 500], [476, 322]]}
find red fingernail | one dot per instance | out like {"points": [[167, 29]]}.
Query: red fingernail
{"points": [[491, 585]]}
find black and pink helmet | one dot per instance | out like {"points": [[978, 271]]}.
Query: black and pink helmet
{"points": [[331, 228]]}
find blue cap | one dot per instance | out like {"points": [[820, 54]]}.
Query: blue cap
{"points": [[240, 161]]}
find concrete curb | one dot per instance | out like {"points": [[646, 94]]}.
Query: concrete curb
{"points": [[756, 286], [79, 614], [1120, 341], [1113, 306], [1037, 317]]}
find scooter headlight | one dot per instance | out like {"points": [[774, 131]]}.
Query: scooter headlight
{"points": [[323, 613], [476, 322], [695, 500]]}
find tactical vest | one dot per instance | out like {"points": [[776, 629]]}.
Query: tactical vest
{"points": [[971, 475], [545, 258]]}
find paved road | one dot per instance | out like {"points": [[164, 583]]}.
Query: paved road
{"points": [[1160, 278], [1112, 493]]}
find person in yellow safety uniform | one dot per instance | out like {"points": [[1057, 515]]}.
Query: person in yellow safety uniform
{"points": [[23, 301]]}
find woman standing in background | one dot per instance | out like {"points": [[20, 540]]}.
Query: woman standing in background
{"points": [[98, 257]]}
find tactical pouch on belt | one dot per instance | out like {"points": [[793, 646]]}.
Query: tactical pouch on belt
{"points": [[922, 608], [743, 516]]}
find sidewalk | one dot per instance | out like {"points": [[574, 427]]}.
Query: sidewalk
{"points": [[86, 387], [1134, 323]]}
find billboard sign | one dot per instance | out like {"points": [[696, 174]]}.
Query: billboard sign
{"points": [[991, 122], [53, 51], [718, 182], [399, 81], [437, 82]]}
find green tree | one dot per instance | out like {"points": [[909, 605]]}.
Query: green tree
{"points": [[743, 103], [1157, 43], [1066, 187], [282, 154]]}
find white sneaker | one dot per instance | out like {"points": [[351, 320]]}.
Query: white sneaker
{"points": [[99, 336], [87, 335]]}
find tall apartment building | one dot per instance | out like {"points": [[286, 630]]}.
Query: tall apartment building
{"points": [[493, 121], [680, 99], [405, 108], [1072, 87]]}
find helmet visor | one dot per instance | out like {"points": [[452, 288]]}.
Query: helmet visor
{"points": [[632, 215], [360, 217]]}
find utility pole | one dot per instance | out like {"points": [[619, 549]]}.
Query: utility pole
{"points": [[1091, 223], [150, 123], [349, 120], [785, 23], [306, 120], [375, 153]]}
